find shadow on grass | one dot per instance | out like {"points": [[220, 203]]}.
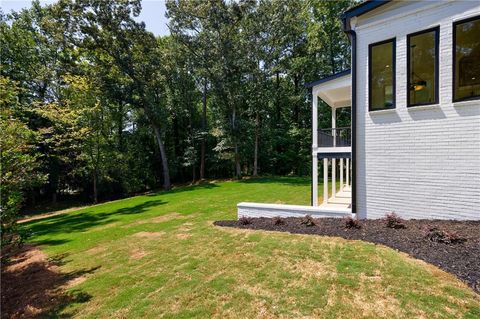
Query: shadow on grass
{"points": [[79, 222], [33, 286], [187, 188], [295, 181]]}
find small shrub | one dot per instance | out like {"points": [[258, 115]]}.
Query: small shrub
{"points": [[438, 235], [392, 220], [277, 220], [245, 220], [352, 223], [308, 221]]}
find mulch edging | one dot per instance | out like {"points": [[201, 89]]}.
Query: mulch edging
{"points": [[461, 259]]}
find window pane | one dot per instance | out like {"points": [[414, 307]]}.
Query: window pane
{"points": [[381, 77], [467, 59], [422, 58]]}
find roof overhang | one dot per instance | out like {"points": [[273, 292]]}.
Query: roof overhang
{"points": [[361, 9], [335, 90]]}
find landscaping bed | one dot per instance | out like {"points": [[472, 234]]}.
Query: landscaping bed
{"points": [[453, 246]]}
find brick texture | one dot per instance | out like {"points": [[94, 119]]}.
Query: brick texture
{"points": [[421, 162]]}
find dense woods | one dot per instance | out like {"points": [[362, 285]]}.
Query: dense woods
{"points": [[95, 106]]}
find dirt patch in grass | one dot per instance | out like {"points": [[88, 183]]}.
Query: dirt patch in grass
{"points": [[182, 236], [145, 234], [453, 246], [138, 254], [162, 219], [33, 286]]}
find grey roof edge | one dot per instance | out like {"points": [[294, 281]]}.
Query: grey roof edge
{"points": [[363, 8], [328, 78]]}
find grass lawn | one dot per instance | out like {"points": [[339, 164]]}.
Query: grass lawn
{"points": [[160, 256]]}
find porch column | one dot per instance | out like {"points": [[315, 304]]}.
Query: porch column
{"points": [[348, 171], [314, 180], [314, 149], [341, 174], [325, 180], [334, 177], [334, 161]]}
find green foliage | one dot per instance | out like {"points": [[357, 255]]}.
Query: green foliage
{"points": [[18, 162], [104, 109], [144, 261]]}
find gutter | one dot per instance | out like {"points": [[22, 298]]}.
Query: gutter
{"points": [[352, 36]]}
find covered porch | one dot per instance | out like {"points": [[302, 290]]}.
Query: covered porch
{"points": [[331, 147]]}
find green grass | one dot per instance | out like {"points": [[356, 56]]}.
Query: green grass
{"points": [[160, 256]]}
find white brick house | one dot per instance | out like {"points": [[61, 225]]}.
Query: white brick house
{"points": [[414, 93], [420, 160]]}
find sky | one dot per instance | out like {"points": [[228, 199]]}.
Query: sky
{"points": [[153, 13]]}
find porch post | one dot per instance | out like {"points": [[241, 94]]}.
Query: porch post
{"points": [[334, 177], [341, 174], [314, 180], [325, 180], [348, 171], [314, 149], [334, 161]]}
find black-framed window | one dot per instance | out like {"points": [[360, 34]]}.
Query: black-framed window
{"points": [[466, 59], [422, 67], [381, 75]]}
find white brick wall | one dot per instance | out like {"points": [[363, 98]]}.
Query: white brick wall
{"points": [[418, 162]]}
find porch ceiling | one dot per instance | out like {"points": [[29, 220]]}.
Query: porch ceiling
{"points": [[336, 92]]}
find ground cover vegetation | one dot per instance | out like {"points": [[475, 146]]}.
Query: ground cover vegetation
{"points": [[453, 246], [160, 255], [95, 107]]}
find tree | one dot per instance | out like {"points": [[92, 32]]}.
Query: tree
{"points": [[104, 109], [18, 161], [108, 26]]}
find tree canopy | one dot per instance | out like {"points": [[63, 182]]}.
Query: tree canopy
{"points": [[95, 106]]}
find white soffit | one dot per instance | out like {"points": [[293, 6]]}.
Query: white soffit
{"points": [[336, 93]]}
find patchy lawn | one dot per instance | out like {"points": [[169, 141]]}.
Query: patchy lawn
{"points": [[161, 256], [453, 246]]}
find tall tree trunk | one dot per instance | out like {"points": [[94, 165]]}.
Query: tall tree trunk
{"points": [[296, 110], [332, 54], [277, 98], [204, 128], [95, 191], [255, 153], [177, 148], [238, 169], [120, 125], [54, 197], [163, 154], [161, 147]]}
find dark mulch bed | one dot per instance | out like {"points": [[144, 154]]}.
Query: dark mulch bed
{"points": [[453, 246]]}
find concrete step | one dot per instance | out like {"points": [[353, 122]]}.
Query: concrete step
{"points": [[334, 206], [344, 194], [340, 200]]}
